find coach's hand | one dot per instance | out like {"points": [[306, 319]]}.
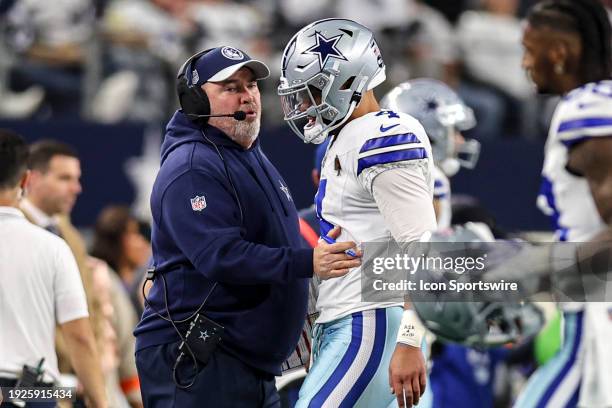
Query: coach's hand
{"points": [[331, 261], [407, 375]]}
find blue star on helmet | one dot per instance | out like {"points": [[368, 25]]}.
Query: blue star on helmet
{"points": [[325, 48]]}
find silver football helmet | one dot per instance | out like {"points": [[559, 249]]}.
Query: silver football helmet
{"points": [[442, 113], [476, 322], [326, 67]]}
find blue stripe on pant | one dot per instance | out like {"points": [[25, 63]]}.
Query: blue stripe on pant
{"points": [[546, 384], [351, 361]]}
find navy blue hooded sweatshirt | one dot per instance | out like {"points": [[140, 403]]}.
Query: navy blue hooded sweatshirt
{"points": [[260, 267]]}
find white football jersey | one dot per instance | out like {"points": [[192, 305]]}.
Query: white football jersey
{"points": [[366, 147], [584, 113], [442, 193]]}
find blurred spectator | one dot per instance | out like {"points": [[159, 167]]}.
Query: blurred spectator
{"points": [[229, 22], [53, 188], [146, 39], [242, 25], [50, 40], [451, 9], [298, 13], [427, 47], [377, 15], [119, 242], [40, 287], [495, 84], [120, 320]]}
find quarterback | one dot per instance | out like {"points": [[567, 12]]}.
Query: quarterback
{"points": [[376, 184]]}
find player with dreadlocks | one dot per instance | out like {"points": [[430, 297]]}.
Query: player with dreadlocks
{"points": [[567, 53]]}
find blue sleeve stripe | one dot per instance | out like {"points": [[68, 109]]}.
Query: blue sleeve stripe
{"points": [[387, 141], [575, 140], [438, 183], [584, 123], [440, 195], [390, 157]]}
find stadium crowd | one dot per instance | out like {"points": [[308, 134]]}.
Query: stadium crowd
{"points": [[116, 60]]}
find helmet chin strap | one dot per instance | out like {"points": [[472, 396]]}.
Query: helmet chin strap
{"points": [[317, 135]]}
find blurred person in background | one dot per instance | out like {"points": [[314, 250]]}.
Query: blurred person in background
{"points": [[493, 82], [432, 46], [567, 52], [120, 243], [53, 188], [49, 41], [458, 373], [40, 287]]}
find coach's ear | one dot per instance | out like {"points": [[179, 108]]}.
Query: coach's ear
{"points": [[23, 183]]}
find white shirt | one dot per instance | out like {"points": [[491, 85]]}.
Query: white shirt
{"points": [[377, 185], [40, 286], [38, 216], [585, 112]]}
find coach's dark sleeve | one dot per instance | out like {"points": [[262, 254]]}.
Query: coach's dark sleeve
{"points": [[210, 238]]}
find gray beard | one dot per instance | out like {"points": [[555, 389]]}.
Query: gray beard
{"points": [[242, 132], [245, 132]]}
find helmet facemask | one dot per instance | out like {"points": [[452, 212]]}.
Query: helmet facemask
{"points": [[309, 110], [442, 114], [457, 118]]}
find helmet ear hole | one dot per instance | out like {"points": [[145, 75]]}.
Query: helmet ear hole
{"points": [[348, 83]]}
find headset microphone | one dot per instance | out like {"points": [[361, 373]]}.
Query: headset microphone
{"points": [[238, 115]]}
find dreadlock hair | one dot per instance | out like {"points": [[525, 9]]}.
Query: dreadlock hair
{"points": [[588, 19]]}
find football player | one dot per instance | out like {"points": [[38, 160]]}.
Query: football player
{"points": [[444, 116], [567, 52], [376, 184], [458, 372]]}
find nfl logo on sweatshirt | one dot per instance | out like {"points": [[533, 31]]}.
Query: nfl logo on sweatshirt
{"points": [[198, 203]]}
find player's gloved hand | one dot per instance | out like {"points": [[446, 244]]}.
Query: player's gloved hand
{"points": [[407, 375], [331, 261]]}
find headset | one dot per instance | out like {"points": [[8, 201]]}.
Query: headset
{"points": [[193, 100]]}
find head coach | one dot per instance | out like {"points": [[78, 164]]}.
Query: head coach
{"points": [[230, 276]]}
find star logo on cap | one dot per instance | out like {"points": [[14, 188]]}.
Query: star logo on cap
{"points": [[325, 48], [232, 53]]}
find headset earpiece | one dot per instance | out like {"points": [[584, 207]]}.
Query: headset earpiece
{"points": [[192, 98]]}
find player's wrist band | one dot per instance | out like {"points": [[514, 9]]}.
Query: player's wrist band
{"points": [[411, 330]]}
